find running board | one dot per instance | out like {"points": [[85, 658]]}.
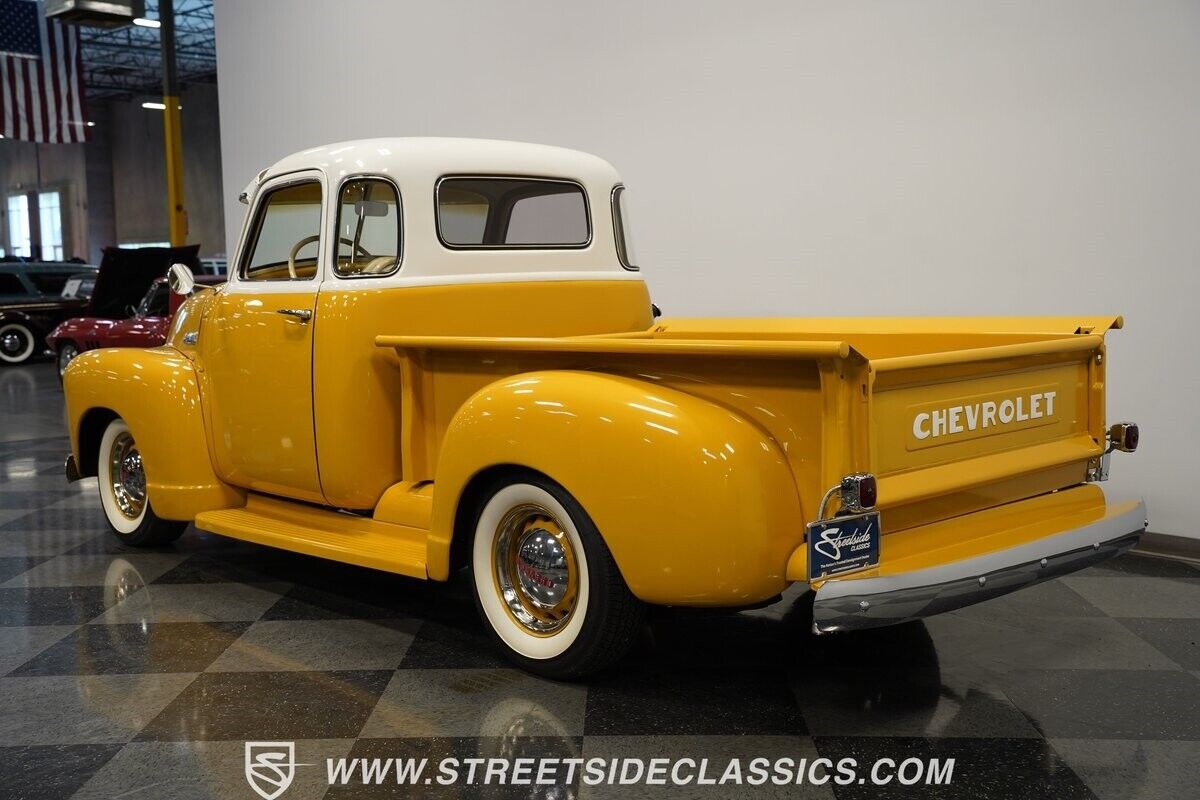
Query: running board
{"points": [[326, 534]]}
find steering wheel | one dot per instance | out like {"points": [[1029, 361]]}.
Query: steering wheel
{"points": [[307, 240]]}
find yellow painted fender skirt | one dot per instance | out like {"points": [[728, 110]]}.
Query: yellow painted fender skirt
{"points": [[155, 391], [696, 503]]}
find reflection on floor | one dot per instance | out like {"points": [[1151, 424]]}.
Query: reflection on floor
{"points": [[141, 674]]}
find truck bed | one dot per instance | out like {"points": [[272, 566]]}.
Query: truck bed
{"points": [[837, 396]]}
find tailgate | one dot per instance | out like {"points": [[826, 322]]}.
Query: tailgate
{"points": [[954, 432]]}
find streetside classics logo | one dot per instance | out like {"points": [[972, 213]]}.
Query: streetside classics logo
{"points": [[982, 415], [834, 539], [270, 767]]}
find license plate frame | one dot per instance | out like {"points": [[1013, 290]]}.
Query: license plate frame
{"points": [[829, 543]]}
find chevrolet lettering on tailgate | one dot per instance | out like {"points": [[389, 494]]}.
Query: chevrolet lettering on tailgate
{"points": [[982, 415]]}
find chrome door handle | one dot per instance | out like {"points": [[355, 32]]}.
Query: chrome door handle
{"points": [[302, 314]]}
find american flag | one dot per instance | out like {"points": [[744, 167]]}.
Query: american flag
{"points": [[41, 76]]}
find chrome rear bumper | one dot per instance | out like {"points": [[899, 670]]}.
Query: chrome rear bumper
{"points": [[847, 604]]}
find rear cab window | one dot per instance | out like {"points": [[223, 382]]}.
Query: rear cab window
{"points": [[481, 212], [622, 230]]}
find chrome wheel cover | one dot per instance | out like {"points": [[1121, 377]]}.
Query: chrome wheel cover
{"points": [[66, 356], [127, 477], [536, 569]]}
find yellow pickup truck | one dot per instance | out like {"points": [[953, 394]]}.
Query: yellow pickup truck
{"points": [[434, 354]]}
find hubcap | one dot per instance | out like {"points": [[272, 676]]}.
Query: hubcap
{"points": [[536, 569], [65, 357], [11, 343], [127, 476]]}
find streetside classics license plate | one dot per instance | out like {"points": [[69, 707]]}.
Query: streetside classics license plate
{"points": [[844, 544]]}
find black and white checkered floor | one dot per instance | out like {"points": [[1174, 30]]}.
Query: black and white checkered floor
{"points": [[139, 674]]}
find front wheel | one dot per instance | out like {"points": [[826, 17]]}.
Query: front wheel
{"points": [[17, 343], [66, 354], [546, 584], [123, 491]]}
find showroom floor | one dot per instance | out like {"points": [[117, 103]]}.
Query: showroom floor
{"points": [[141, 674]]}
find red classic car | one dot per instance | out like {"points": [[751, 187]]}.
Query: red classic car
{"points": [[147, 325]]}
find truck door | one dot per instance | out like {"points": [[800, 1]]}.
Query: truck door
{"points": [[357, 386], [256, 346]]}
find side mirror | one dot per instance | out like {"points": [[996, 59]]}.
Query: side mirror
{"points": [[180, 279]]}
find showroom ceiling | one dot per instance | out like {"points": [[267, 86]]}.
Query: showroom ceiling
{"points": [[127, 61]]}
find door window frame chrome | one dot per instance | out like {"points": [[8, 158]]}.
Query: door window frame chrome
{"points": [[253, 229], [336, 198]]}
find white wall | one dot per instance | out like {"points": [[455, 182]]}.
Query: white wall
{"points": [[939, 157]]}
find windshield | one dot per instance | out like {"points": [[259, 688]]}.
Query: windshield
{"points": [[156, 302]]}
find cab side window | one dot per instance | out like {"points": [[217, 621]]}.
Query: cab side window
{"points": [[369, 229], [287, 235], [501, 212], [51, 283]]}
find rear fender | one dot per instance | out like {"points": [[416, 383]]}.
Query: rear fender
{"points": [[696, 503], [155, 391]]}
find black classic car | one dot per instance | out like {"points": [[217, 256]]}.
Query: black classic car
{"points": [[34, 298]]}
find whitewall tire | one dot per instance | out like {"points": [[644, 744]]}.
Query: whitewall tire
{"points": [[17, 343], [123, 495], [545, 583]]}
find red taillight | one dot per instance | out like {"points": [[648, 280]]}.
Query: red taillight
{"points": [[868, 490], [1123, 436]]}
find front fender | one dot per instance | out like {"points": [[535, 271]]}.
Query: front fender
{"points": [[155, 391], [696, 503], [78, 329]]}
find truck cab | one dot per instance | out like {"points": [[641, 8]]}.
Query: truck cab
{"points": [[435, 354]]}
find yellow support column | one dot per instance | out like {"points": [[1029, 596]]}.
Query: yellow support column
{"points": [[173, 139], [172, 133]]}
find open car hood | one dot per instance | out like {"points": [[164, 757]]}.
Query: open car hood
{"points": [[126, 273]]}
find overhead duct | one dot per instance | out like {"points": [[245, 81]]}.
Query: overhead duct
{"points": [[96, 13]]}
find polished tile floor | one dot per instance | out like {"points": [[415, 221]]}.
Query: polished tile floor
{"points": [[141, 674]]}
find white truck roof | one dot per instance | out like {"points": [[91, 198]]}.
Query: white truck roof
{"points": [[416, 164], [408, 158]]}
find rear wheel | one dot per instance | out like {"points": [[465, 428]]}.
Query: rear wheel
{"points": [[17, 343], [66, 354], [545, 582], [122, 480]]}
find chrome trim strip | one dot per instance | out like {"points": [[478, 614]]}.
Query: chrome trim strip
{"points": [[854, 604]]}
